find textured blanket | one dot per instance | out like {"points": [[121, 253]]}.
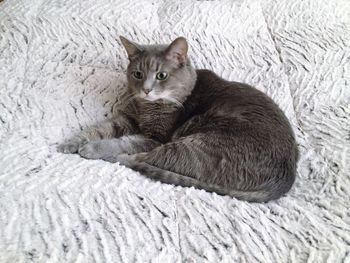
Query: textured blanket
{"points": [[62, 68]]}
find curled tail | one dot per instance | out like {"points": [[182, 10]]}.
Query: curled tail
{"points": [[169, 177]]}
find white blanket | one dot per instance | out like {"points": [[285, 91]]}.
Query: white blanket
{"points": [[62, 68]]}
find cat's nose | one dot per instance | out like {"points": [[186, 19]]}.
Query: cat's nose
{"points": [[146, 91]]}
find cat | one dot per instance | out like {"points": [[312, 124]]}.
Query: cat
{"points": [[190, 127]]}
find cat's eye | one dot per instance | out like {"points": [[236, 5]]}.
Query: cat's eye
{"points": [[162, 75], [137, 74]]}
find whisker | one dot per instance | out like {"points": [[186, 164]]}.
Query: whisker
{"points": [[173, 100]]}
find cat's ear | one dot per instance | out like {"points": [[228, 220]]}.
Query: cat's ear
{"points": [[177, 51], [131, 48]]}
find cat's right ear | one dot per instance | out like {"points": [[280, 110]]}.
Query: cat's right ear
{"points": [[131, 48], [177, 51]]}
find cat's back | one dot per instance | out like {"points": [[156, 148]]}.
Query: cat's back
{"points": [[216, 90], [239, 101]]}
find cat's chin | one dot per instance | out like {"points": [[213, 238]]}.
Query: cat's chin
{"points": [[146, 97], [154, 97], [164, 98]]}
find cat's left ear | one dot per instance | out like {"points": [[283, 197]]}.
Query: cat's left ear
{"points": [[177, 51]]}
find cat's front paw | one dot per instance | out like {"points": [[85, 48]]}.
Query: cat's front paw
{"points": [[91, 150], [69, 147]]}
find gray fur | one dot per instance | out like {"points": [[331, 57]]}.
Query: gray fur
{"points": [[109, 149], [195, 129]]}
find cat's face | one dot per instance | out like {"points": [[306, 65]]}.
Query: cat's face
{"points": [[160, 72]]}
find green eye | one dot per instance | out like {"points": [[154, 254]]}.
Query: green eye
{"points": [[161, 75], [137, 74]]}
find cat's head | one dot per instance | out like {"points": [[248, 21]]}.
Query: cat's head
{"points": [[160, 72]]}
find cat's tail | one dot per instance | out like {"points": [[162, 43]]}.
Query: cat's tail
{"points": [[169, 177]]}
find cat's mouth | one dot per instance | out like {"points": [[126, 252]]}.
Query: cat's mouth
{"points": [[143, 95], [164, 97], [147, 97], [154, 96]]}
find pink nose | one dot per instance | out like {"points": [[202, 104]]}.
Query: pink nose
{"points": [[146, 91]]}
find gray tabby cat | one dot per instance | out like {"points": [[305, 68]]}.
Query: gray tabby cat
{"points": [[189, 127]]}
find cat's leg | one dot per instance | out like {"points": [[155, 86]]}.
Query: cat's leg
{"points": [[113, 128], [180, 163], [191, 161], [189, 127], [183, 156], [109, 149]]}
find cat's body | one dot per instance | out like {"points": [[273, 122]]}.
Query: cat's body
{"points": [[216, 135]]}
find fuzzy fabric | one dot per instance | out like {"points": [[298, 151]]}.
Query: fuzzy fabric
{"points": [[62, 68]]}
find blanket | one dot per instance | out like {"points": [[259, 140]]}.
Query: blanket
{"points": [[62, 68]]}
